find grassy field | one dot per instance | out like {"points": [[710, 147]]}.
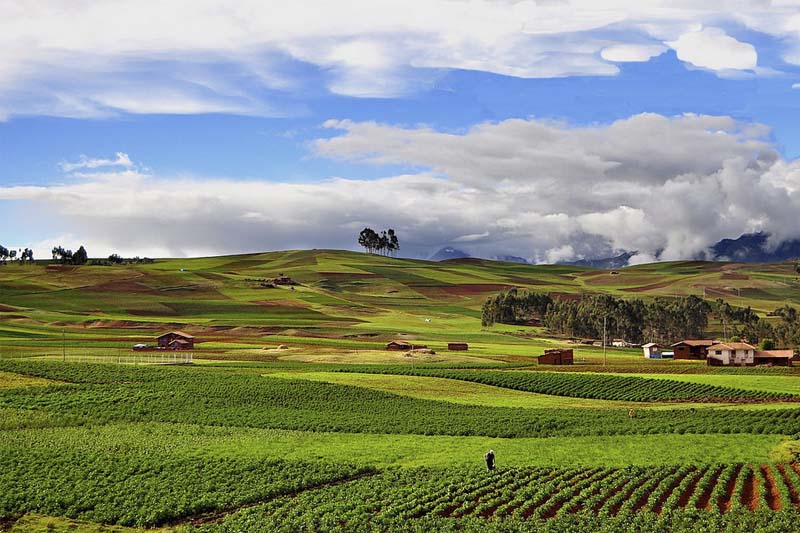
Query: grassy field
{"points": [[293, 416]]}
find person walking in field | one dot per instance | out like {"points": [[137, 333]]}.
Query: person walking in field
{"points": [[489, 457], [631, 414]]}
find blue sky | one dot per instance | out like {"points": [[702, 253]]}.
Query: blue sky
{"points": [[220, 108]]}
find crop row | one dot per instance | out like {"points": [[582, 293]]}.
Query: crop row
{"points": [[146, 488], [534, 496], [586, 385], [103, 393]]}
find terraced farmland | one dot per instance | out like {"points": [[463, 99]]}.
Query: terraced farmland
{"points": [[293, 416]]}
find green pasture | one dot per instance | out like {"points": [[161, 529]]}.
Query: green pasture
{"points": [[184, 440]]}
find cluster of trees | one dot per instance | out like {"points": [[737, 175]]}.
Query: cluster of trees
{"points": [[68, 257], [659, 320], [385, 243], [116, 259], [22, 256]]}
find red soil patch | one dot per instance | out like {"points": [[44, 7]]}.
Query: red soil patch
{"points": [[617, 488], [474, 288], [628, 491], [658, 506], [684, 499], [792, 489], [750, 492], [704, 502], [123, 286], [726, 501], [565, 296], [773, 497], [652, 286], [734, 275], [642, 501], [59, 268]]}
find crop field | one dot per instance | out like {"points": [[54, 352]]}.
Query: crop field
{"points": [[293, 416]]}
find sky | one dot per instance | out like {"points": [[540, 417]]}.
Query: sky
{"points": [[549, 130]]}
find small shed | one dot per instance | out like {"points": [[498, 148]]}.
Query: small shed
{"points": [[557, 356], [167, 340], [457, 346], [651, 350], [404, 346]]}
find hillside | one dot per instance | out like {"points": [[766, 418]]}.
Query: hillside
{"points": [[342, 300]]}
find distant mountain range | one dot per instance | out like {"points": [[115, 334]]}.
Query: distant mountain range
{"points": [[618, 261], [448, 253], [748, 248]]}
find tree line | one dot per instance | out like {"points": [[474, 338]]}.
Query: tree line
{"points": [[635, 320], [385, 243], [21, 255]]}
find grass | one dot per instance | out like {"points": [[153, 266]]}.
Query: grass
{"points": [[192, 441]]}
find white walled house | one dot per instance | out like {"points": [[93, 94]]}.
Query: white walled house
{"points": [[731, 354], [651, 350]]}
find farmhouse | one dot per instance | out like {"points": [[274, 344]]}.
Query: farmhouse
{"points": [[557, 356], [651, 350], [743, 354], [176, 340], [457, 346], [403, 345], [692, 349]]}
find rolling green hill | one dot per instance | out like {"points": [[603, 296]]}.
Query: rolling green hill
{"points": [[344, 301]]}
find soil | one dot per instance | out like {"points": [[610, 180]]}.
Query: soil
{"points": [[730, 487], [684, 499], [773, 496], [660, 503], [705, 499], [792, 489]]}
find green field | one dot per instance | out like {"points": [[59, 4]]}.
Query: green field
{"points": [[292, 416]]}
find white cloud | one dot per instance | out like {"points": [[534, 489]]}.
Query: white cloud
{"points": [[669, 187], [209, 56], [713, 49], [121, 160], [623, 53]]}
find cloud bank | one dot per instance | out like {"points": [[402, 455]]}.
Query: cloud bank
{"points": [[99, 59], [669, 187]]}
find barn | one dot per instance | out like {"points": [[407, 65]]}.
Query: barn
{"points": [[457, 346], [692, 349], [398, 345], [774, 357], [176, 340], [557, 356]]}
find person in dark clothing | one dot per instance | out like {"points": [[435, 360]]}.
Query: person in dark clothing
{"points": [[489, 457]]}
